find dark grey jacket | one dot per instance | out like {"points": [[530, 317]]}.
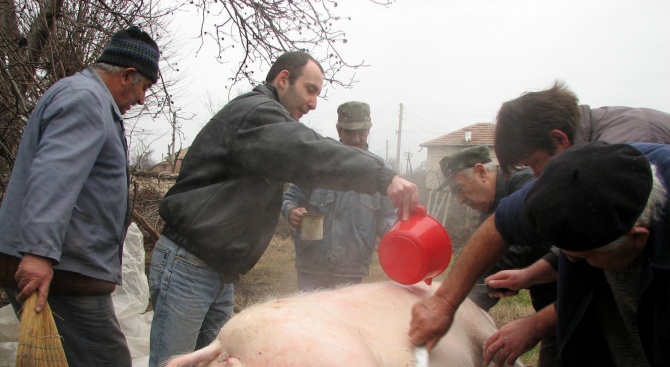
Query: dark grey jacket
{"points": [[622, 125], [226, 202]]}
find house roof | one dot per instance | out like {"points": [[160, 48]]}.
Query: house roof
{"points": [[182, 153], [482, 134], [162, 165]]}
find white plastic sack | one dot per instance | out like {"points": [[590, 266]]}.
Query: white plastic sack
{"points": [[130, 301], [9, 335], [133, 297]]}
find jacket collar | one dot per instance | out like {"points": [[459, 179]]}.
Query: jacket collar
{"points": [[269, 90], [92, 73], [582, 134]]}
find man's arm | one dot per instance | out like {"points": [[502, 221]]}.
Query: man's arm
{"points": [[519, 336], [539, 272], [404, 194], [552, 257], [433, 316], [70, 142], [386, 216], [294, 205], [310, 160], [72, 136]]}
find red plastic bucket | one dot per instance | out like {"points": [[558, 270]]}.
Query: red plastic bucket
{"points": [[415, 250]]}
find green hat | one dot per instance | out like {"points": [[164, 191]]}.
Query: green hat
{"points": [[354, 116], [466, 158]]}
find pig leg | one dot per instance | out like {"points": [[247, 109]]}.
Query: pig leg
{"points": [[207, 354]]}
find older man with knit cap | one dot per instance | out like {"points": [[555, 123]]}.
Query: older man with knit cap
{"points": [[65, 213], [479, 183]]}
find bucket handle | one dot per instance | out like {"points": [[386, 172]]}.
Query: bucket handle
{"points": [[420, 211]]}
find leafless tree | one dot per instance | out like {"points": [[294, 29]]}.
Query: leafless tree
{"points": [[266, 28], [141, 159], [42, 41]]}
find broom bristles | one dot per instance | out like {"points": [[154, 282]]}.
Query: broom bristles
{"points": [[39, 342]]}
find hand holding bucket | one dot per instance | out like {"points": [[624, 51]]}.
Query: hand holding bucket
{"points": [[415, 250]]}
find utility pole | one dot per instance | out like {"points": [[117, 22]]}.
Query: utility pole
{"points": [[409, 162], [397, 155], [173, 160], [387, 150]]}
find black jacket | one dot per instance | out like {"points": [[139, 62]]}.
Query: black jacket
{"points": [[580, 339], [226, 202]]}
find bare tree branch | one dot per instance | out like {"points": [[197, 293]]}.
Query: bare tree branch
{"points": [[266, 28], [42, 41]]}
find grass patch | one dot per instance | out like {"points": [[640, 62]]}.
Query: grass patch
{"points": [[275, 276], [514, 308]]}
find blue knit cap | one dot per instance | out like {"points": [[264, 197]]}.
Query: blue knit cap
{"points": [[133, 48]]}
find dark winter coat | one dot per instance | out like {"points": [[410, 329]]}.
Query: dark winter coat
{"points": [[226, 202]]}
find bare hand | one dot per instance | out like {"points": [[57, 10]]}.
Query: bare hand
{"points": [[430, 321], [34, 274], [510, 279], [295, 217], [501, 292], [405, 196], [510, 342]]}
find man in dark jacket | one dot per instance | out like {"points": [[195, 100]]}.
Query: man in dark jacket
{"points": [[221, 214]]}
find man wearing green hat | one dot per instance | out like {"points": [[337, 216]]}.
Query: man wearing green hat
{"points": [[65, 213], [480, 184], [351, 221]]}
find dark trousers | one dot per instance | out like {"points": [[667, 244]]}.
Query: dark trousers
{"points": [[548, 353], [90, 330]]}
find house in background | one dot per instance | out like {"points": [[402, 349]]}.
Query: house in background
{"points": [[478, 134], [166, 165]]}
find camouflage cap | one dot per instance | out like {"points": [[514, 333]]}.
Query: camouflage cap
{"points": [[354, 116], [466, 158]]}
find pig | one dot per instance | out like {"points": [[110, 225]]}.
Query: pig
{"points": [[362, 325]]}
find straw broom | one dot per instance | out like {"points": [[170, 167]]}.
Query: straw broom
{"points": [[39, 342]]}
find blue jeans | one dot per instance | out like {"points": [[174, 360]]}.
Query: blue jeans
{"points": [[89, 327], [190, 300]]}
